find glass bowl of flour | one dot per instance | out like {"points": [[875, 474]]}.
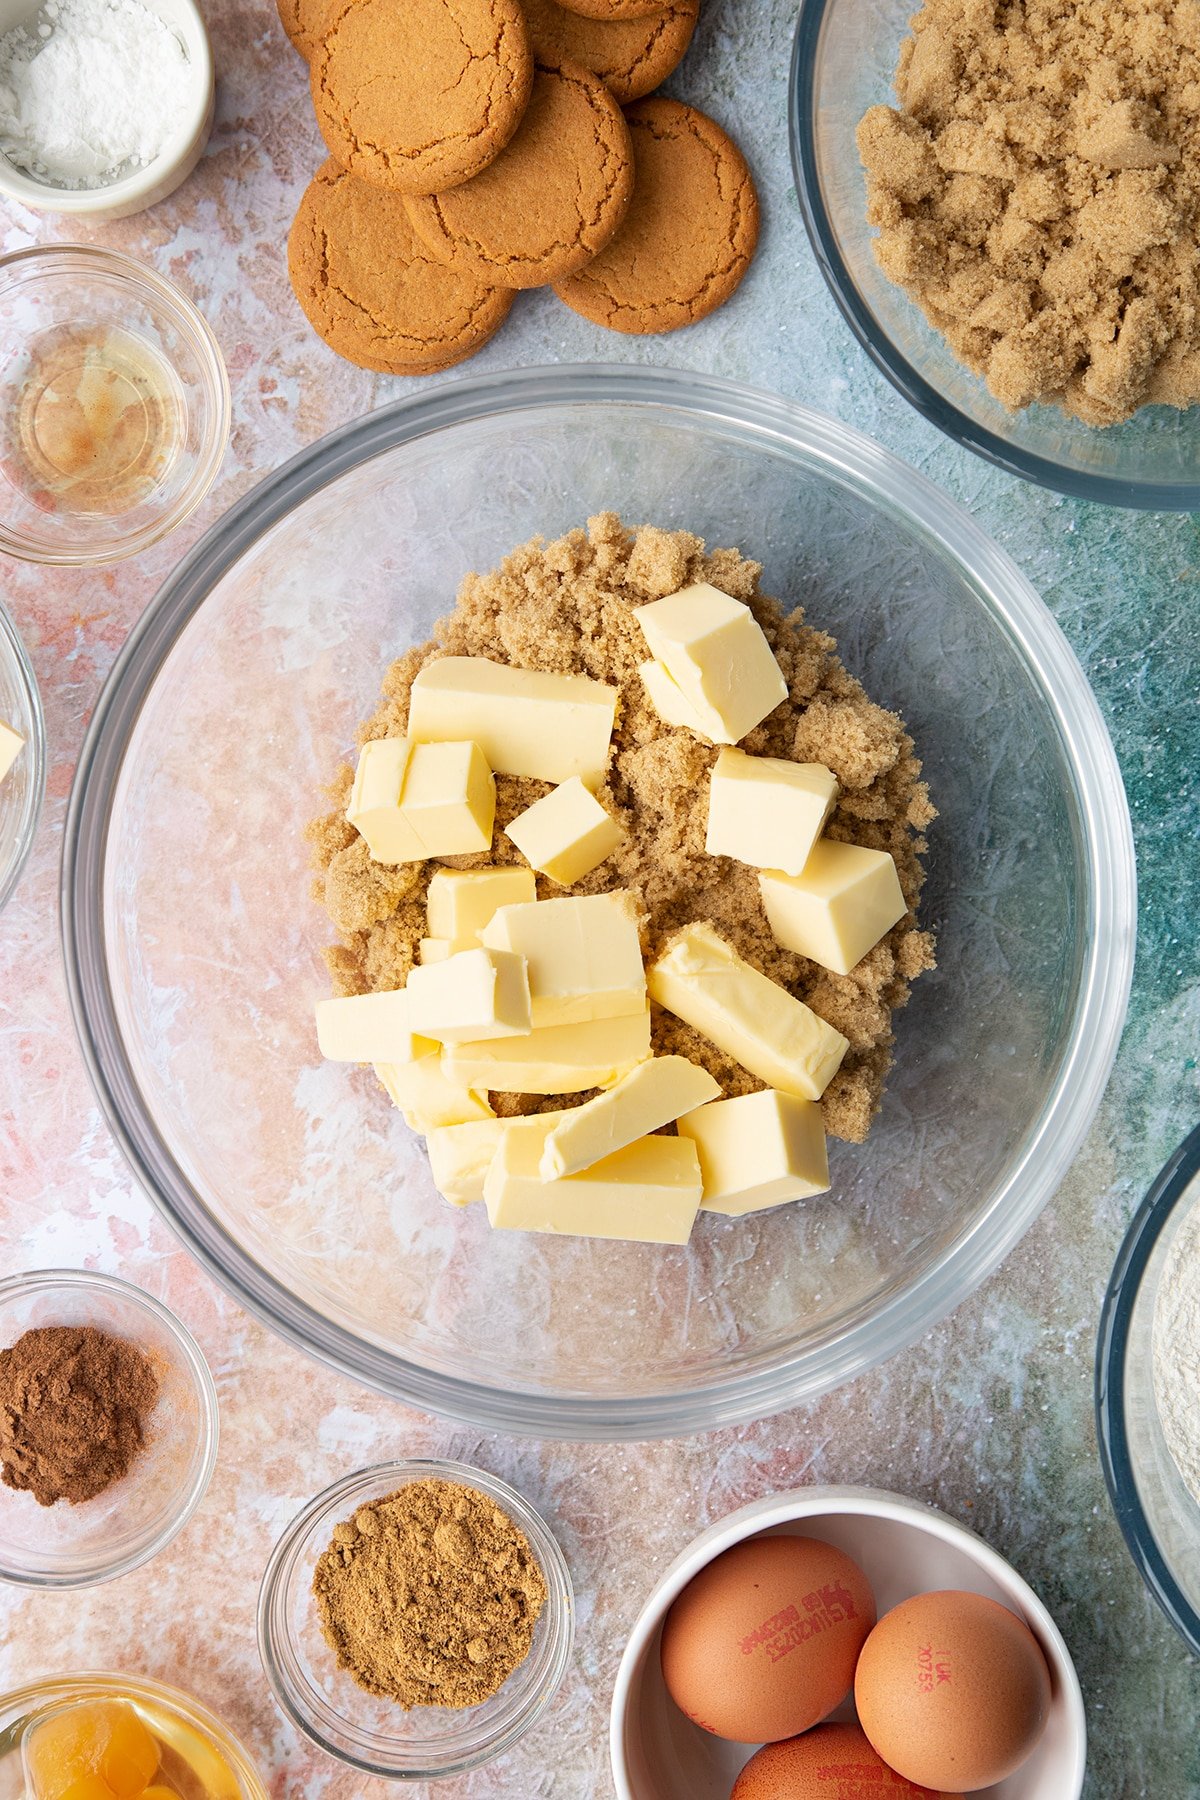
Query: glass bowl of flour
{"points": [[1147, 1388], [105, 105]]}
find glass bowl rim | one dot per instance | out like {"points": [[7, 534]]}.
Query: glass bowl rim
{"points": [[1043, 471], [875, 475], [66, 259], [1166, 1192], [338, 1498], [26, 1283], [36, 749]]}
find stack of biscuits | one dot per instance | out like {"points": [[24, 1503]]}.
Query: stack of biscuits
{"points": [[478, 147]]}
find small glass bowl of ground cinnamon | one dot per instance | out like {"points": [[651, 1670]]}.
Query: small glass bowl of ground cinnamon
{"points": [[416, 1619], [108, 1433]]}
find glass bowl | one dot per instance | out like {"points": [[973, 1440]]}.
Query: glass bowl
{"points": [[78, 326], [192, 942], [373, 1735], [23, 788], [176, 1719], [1155, 1509], [843, 62], [68, 1546]]}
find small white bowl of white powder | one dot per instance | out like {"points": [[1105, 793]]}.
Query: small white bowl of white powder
{"points": [[105, 105]]}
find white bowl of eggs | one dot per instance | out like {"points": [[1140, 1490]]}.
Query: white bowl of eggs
{"points": [[843, 1641]]}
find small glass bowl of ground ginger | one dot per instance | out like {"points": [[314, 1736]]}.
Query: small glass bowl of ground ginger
{"points": [[472, 1652], [100, 1476]]}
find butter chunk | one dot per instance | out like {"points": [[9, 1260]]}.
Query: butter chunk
{"points": [[758, 1150], [714, 650], [651, 1095], [410, 800], [474, 994], [559, 1059], [11, 746], [584, 956], [459, 1157], [840, 905], [648, 1192], [436, 950], [461, 901], [566, 834], [667, 699], [767, 812], [703, 981], [364, 1028], [428, 1095], [526, 722]]}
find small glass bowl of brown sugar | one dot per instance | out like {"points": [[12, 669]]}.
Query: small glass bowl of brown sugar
{"points": [[470, 1538], [97, 1478]]}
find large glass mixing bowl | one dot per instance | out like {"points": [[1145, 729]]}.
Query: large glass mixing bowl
{"points": [[192, 942]]}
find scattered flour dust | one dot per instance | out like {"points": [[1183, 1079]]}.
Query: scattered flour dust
{"points": [[89, 90], [1177, 1351]]}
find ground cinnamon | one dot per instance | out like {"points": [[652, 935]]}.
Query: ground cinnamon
{"points": [[73, 1406]]}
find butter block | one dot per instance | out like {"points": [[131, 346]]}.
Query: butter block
{"points": [[526, 722], [11, 746], [461, 901], [410, 800], [428, 1095], [766, 811], [758, 1150], [459, 1157], [566, 834], [714, 650], [364, 1028], [702, 980], [472, 994], [584, 956], [667, 699], [653, 1094], [436, 950], [559, 1059], [648, 1192], [838, 907]]}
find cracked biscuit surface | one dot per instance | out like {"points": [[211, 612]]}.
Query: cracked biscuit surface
{"points": [[690, 232], [304, 22], [614, 9], [371, 289], [631, 56], [554, 198], [420, 95]]}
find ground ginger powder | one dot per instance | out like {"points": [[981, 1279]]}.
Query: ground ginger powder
{"points": [[567, 607], [1038, 195], [429, 1596]]}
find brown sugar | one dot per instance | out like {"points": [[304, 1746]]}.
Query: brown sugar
{"points": [[1038, 195], [73, 1404], [567, 607]]}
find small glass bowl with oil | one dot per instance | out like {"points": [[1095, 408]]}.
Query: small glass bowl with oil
{"points": [[114, 406]]}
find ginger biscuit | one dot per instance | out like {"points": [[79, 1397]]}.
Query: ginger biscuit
{"points": [[304, 22], [371, 289], [553, 198], [420, 94], [613, 9], [689, 234], [631, 56]]}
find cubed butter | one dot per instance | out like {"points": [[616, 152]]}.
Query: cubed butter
{"points": [[584, 956], [566, 834], [526, 722], [838, 907], [459, 1157], [714, 650], [364, 1028], [648, 1192], [428, 1095], [758, 1150], [767, 812], [411, 800], [473, 994], [653, 1094], [666, 697], [702, 980], [461, 901], [560, 1059], [11, 746], [436, 950]]}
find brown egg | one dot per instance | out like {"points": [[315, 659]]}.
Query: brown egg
{"points": [[830, 1763], [762, 1643], [952, 1690]]}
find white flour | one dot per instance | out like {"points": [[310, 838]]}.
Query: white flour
{"points": [[89, 89], [1177, 1351]]}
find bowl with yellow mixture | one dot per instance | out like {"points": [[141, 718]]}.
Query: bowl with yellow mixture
{"points": [[197, 951]]}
